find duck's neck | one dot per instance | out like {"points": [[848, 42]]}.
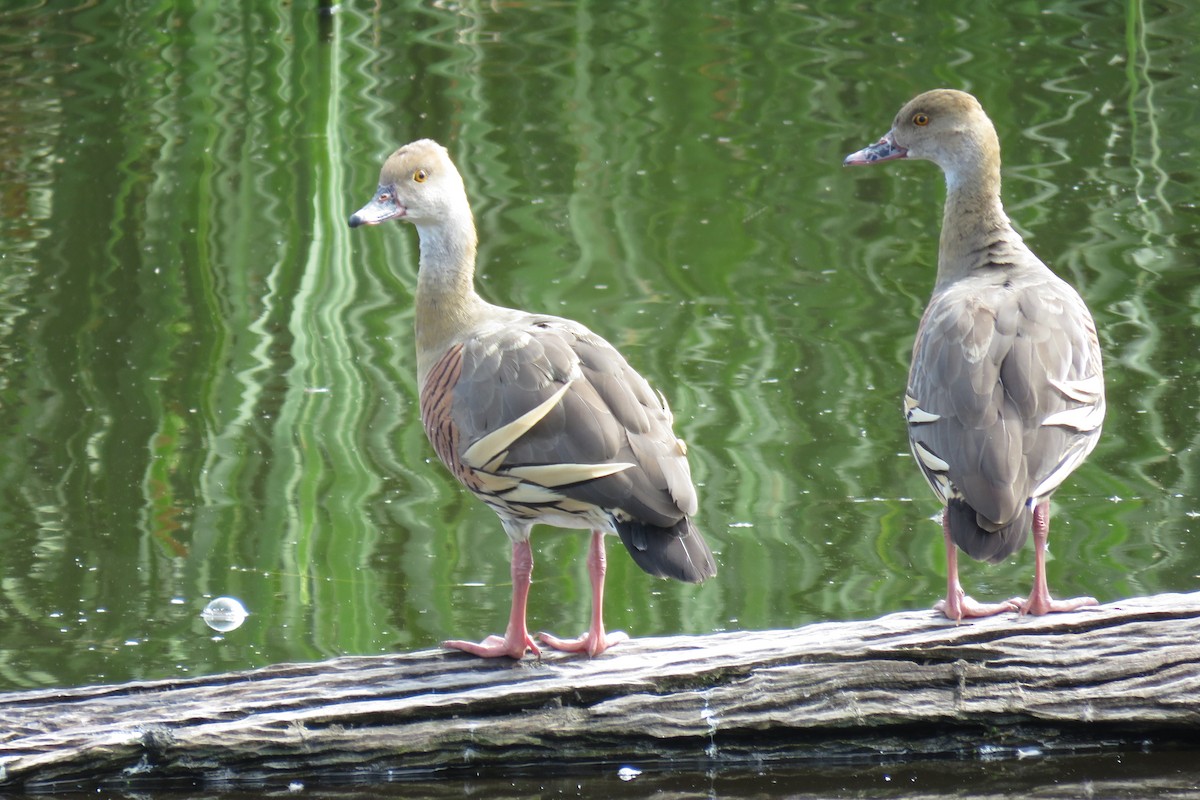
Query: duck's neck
{"points": [[446, 302], [976, 233]]}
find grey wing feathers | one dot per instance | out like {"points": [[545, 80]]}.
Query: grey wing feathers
{"points": [[1005, 399], [605, 445]]}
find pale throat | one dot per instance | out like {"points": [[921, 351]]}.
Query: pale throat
{"points": [[446, 301]]}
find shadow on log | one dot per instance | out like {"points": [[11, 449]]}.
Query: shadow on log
{"points": [[906, 686]]}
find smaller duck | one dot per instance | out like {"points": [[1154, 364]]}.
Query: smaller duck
{"points": [[1006, 390]]}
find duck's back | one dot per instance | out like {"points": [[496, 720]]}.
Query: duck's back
{"points": [[1008, 391], [546, 422]]}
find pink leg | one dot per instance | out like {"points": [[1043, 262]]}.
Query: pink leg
{"points": [[595, 641], [957, 603], [516, 639], [1040, 601]]}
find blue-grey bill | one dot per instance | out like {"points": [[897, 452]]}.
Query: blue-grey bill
{"points": [[383, 206], [885, 149]]}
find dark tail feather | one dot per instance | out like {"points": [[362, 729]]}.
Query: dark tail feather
{"points": [[991, 544], [679, 552]]}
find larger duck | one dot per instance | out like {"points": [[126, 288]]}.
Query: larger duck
{"points": [[537, 416], [1006, 391]]}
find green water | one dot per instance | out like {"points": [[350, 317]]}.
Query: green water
{"points": [[207, 380]]}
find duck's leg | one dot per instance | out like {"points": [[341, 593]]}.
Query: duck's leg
{"points": [[957, 603], [516, 639], [595, 641], [1039, 600]]}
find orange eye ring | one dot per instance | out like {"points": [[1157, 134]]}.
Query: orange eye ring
{"points": [[920, 119], [420, 175]]}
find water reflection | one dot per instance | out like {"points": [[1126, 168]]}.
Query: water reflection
{"points": [[207, 389], [1118, 773]]}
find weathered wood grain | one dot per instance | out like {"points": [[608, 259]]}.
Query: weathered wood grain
{"points": [[904, 685]]}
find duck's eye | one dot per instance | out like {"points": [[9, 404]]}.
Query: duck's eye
{"points": [[384, 197], [920, 119], [420, 175]]}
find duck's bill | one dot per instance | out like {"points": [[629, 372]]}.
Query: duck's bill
{"points": [[383, 206], [885, 149]]}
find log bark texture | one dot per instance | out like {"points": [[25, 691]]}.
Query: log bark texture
{"points": [[904, 686]]}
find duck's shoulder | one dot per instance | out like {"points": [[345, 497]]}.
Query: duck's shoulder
{"points": [[1023, 283], [588, 399], [522, 336], [1019, 330]]}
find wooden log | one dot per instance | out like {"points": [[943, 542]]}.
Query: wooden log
{"points": [[907, 685]]}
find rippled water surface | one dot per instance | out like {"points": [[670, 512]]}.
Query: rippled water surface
{"points": [[207, 381]]}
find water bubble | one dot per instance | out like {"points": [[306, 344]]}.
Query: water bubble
{"points": [[224, 614], [628, 773]]}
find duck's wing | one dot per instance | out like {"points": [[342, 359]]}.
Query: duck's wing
{"points": [[546, 421], [1005, 399]]}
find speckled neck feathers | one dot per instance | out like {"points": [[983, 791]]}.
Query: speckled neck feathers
{"points": [[446, 303], [958, 136], [976, 233]]}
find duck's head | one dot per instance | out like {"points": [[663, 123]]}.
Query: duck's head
{"points": [[418, 184], [945, 126]]}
